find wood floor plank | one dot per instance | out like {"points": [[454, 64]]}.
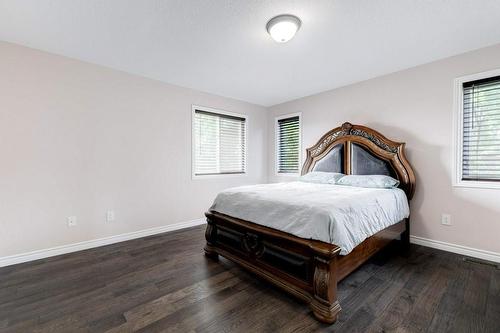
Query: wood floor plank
{"points": [[163, 283], [206, 310], [150, 312], [493, 304], [359, 316], [471, 312]]}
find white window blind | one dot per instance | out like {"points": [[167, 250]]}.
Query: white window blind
{"points": [[288, 145], [481, 130], [219, 143]]}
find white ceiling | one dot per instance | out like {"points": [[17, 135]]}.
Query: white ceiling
{"points": [[221, 46]]}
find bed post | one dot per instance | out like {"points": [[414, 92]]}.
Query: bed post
{"points": [[405, 237], [324, 304], [210, 236]]}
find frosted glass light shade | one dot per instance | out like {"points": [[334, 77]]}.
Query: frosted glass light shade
{"points": [[282, 28]]}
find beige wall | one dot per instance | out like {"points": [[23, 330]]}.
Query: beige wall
{"points": [[79, 139], [415, 106]]}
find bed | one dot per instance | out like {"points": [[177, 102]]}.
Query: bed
{"points": [[309, 264]]}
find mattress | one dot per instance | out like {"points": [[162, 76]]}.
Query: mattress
{"points": [[336, 214]]}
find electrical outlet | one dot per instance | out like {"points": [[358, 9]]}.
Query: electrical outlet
{"points": [[71, 221], [110, 215], [446, 219]]}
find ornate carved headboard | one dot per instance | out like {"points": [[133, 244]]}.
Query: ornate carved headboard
{"points": [[359, 150]]}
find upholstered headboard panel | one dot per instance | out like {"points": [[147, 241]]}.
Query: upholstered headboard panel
{"points": [[333, 161], [359, 150], [363, 162]]}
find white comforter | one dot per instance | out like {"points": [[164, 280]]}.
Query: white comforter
{"points": [[341, 215]]}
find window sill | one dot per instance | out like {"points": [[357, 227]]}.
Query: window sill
{"points": [[288, 174], [477, 184], [219, 176]]}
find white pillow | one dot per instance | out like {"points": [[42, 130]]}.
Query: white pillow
{"points": [[321, 177], [372, 181]]}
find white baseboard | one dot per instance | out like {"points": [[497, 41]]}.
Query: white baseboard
{"points": [[63, 249], [463, 250], [58, 250]]}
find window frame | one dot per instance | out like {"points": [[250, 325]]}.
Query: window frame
{"points": [[458, 115], [276, 144], [194, 176]]}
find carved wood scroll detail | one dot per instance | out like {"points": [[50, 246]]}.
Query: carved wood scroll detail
{"points": [[210, 236], [326, 142], [347, 129], [210, 232], [321, 279], [375, 140], [325, 305]]}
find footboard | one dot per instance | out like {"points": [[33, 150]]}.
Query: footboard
{"points": [[307, 269], [304, 268]]}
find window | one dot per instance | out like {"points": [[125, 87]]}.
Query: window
{"points": [[288, 144], [219, 142], [478, 130]]}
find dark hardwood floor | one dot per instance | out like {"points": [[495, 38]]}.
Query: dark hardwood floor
{"points": [[164, 283]]}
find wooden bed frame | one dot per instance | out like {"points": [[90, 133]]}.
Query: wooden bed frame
{"points": [[310, 269]]}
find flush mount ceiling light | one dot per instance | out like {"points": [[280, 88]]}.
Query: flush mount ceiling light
{"points": [[282, 28]]}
